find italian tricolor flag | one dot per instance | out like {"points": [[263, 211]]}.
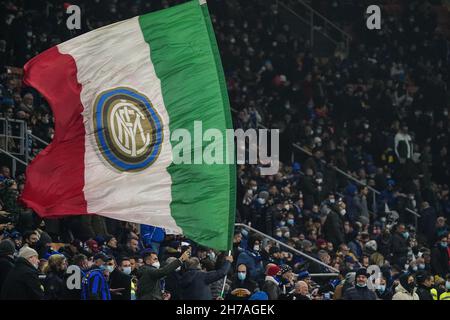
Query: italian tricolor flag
{"points": [[117, 93]]}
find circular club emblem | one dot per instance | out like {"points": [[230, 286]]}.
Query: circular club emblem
{"points": [[128, 130]]}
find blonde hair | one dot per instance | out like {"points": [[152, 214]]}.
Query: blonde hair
{"points": [[54, 263]]}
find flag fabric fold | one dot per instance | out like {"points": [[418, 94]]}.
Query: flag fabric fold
{"points": [[117, 93]]}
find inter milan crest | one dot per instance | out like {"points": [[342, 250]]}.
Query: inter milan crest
{"points": [[128, 130]]}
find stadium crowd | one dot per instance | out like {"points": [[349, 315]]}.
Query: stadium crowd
{"points": [[380, 114]]}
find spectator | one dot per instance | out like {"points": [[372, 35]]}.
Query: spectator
{"points": [[301, 291], [400, 245], [440, 257], [22, 282], [242, 286], [7, 251], [119, 280], [252, 259], [403, 145], [446, 295], [406, 289], [195, 282], [360, 290], [424, 286], [172, 281], [150, 275], [272, 282], [55, 283]]}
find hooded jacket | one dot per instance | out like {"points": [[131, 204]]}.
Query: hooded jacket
{"points": [[402, 294]]}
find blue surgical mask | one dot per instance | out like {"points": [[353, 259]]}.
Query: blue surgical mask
{"points": [[241, 276], [127, 270], [406, 234], [444, 244], [290, 222], [361, 285], [244, 233], [447, 285], [421, 266], [381, 288]]}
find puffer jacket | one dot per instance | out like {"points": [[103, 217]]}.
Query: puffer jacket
{"points": [[402, 294]]}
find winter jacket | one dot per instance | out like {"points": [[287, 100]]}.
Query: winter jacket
{"points": [[253, 263], [333, 229], [55, 287], [402, 294], [272, 288], [399, 249], [6, 264], [358, 293], [22, 283], [118, 279], [149, 280], [195, 283], [424, 293], [439, 261]]}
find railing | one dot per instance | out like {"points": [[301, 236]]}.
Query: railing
{"points": [[317, 23], [304, 255], [16, 142]]}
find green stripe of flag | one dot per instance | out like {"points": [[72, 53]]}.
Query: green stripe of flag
{"points": [[184, 53]]}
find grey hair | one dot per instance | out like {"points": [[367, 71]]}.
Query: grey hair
{"points": [[193, 264]]}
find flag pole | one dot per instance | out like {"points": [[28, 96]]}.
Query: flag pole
{"points": [[225, 279]]}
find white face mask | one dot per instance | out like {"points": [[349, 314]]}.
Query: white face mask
{"points": [[278, 234], [156, 264], [127, 270], [110, 268], [256, 247], [343, 212], [178, 269]]}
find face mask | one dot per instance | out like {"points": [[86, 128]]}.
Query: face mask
{"points": [[282, 223], [261, 201], [332, 200], [405, 234], [422, 266], [444, 244], [447, 285], [319, 181], [254, 188], [278, 234], [244, 233], [241, 276], [127, 270], [256, 247], [287, 235], [156, 264], [178, 269], [109, 268], [414, 268], [343, 212], [286, 207], [381, 288], [361, 285], [290, 222]]}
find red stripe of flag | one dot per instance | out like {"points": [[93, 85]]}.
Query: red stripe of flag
{"points": [[55, 178]]}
